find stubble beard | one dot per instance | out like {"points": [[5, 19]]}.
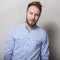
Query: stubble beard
{"points": [[31, 25]]}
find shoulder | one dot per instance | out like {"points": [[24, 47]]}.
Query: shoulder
{"points": [[16, 28], [41, 30], [43, 34]]}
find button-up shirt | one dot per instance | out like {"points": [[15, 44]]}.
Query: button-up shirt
{"points": [[27, 44]]}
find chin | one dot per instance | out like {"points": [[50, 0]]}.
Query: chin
{"points": [[30, 24]]}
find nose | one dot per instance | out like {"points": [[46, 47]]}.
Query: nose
{"points": [[33, 16]]}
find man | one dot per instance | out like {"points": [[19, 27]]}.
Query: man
{"points": [[28, 41]]}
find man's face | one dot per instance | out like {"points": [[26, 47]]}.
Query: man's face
{"points": [[32, 15]]}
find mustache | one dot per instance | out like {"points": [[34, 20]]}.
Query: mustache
{"points": [[29, 23]]}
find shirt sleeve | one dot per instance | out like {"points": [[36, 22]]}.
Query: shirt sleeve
{"points": [[45, 48], [9, 46]]}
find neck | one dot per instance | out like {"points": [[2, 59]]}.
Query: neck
{"points": [[28, 26]]}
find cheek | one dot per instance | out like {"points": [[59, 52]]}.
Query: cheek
{"points": [[28, 16], [36, 18]]}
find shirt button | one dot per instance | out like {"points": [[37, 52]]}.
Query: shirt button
{"points": [[25, 58], [27, 44], [28, 31], [28, 38]]}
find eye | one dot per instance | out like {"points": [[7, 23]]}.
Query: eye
{"points": [[31, 13], [36, 14]]}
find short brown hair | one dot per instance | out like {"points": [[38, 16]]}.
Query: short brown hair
{"points": [[35, 3]]}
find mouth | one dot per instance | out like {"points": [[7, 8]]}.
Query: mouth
{"points": [[32, 20]]}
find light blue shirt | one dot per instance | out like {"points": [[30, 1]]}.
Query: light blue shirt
{"points": [[27, 44]]}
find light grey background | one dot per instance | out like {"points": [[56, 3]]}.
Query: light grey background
{"points": [[12, 13]]}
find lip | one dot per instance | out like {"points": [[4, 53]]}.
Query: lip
{"points": [[32, 20]]}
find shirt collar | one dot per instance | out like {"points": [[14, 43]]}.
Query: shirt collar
{"points": [[33, 28]]}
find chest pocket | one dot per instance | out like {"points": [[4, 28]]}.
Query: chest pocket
{"points": [[20, 42], [36, 42]]}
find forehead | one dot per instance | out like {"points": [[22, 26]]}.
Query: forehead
{"points": [[33, 9]]}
